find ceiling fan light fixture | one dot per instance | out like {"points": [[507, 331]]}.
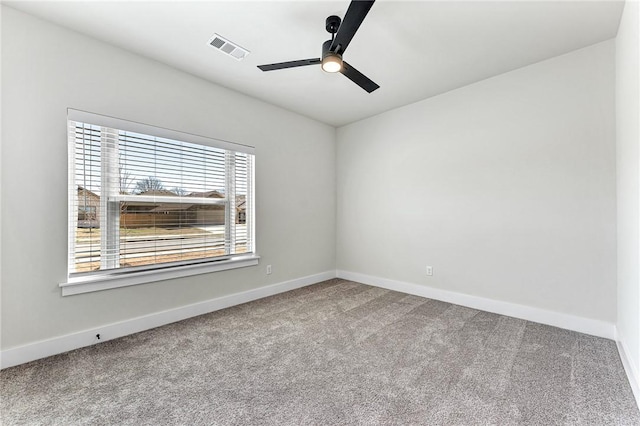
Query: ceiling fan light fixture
{"points": [[332, 62]]}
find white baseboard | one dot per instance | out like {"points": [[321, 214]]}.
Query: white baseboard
{"points": [[629, 367], [45, 348], [542, 316]]}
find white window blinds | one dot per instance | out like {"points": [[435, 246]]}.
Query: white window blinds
{"points": [[142, 197]]}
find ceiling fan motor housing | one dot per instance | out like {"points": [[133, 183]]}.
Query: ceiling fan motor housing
{"points": [[325, 49]]}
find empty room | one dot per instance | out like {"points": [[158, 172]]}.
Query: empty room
{"points": [[320, 212]]}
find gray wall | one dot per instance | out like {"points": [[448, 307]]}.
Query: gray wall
{"points": [[628, 182], [45, 70], [506, 187]]}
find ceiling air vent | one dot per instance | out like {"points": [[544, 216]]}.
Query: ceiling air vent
{"points": [[228, 47]]}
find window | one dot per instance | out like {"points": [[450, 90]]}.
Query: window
{"points": [[143, 198]]}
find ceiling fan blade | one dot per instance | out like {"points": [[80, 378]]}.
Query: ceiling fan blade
{"points": [[350, 23], [290, 64], [358, 78]]}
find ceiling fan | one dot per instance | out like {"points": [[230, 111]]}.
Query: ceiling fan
{"points": [[332, 50]]}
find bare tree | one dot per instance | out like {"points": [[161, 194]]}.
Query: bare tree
{"points": [[125, 180], [148, 184], [179, 191]]}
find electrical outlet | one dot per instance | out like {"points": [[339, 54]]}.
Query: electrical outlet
{"points": [[430, 270], [268, 269]]}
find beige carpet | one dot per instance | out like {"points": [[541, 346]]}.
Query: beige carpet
{"points": [[335, 353]]}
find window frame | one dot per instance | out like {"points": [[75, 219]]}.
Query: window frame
{"points": [[79, 282]]}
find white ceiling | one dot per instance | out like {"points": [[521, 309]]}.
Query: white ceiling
{"points": [[412, 49]]}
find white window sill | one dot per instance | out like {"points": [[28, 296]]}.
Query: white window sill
{"points": [[104, 282]]}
